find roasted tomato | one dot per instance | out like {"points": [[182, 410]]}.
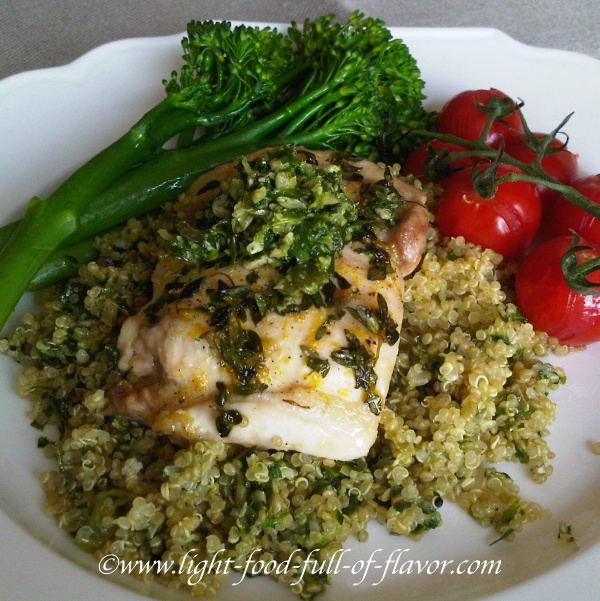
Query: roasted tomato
{"points": [[546, 300], [563, 216], [462, 116], [506, 223], [561, 165]]}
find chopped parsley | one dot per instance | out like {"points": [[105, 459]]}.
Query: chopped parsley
{"points": [[278, 210]]}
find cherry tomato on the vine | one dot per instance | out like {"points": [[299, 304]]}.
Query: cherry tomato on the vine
{"points": [[506, 223], [546, 300], [415, 162], [461, 116], [563, 216], [561, 165]]}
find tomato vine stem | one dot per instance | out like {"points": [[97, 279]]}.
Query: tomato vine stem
{"points": [[485, 179]]}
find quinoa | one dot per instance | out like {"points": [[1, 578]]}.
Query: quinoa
{"points": [[470, 391]]}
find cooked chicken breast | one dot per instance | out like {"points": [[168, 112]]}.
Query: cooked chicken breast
{"points": [[312, 380]]}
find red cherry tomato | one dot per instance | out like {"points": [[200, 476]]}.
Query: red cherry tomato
{"points": [[415, 163], [463, 118], [545, 299], [563, 216], [561, 165], [506, 223]]}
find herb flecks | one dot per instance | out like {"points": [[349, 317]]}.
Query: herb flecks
{"points": [[382, 201], [283, 210], [60, 407], [520, 453], [226, 418], [241, 349], [332, 318], [314, 361], [379, 258], [241, 301], [356, 357], [565, 533], [377, 321]]}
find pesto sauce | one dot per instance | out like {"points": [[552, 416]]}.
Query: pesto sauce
{"points": [[278, 210], [285, 211]]}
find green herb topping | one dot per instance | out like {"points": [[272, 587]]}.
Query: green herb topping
{"points": [[283, 210], [278, 210]]}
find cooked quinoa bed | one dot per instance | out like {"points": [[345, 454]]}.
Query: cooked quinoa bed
{"points": [[470, 391]]}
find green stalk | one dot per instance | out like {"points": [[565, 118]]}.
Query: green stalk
{"points": [[64, 263], [7, 230], [47, 223], [30, 245], [576, 273], [305, 116], [257, 131], [142, 189], [139, 191]]}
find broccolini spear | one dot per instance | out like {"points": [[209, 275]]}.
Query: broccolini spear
{"points": [[327, 85], [230, 76]]}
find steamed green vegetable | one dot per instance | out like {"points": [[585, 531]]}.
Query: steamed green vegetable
{"points": [[327, 85]]}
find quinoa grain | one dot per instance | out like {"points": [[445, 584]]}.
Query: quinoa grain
{"points": [[470, 391]]}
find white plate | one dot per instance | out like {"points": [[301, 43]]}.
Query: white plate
{"points": [[51, 120]]}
